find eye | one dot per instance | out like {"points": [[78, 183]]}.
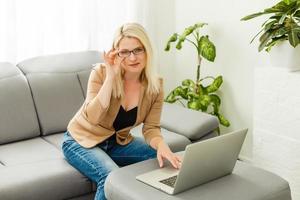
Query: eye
{"points": [[138, 50], [124, 52]]}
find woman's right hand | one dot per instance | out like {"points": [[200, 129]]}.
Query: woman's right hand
{"points": [[112, 63]]}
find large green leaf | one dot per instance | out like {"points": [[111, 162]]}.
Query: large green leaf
{"points": [[215, 99], [279, 7], [273, 42], [202, 90], [283, 17], [276, 17], [223, 120], [293, 38], [297, 13], [215, 85], [192, 95], [265, 35], [173, 38], [193, 105], [188, 83], [287, 1], [199, 25], [171, 98], [180, 91], [216, 102], [269, 25], [256, 35], [177, 92], [264, 39], [204, 101], [252, 16], [280, 32], [188, 31], [207, 49], [180, 41]]}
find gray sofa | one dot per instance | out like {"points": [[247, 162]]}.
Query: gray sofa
{"points": [[38, 97]]}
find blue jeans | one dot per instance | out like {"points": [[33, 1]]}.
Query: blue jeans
{"points": [[97, 162]]}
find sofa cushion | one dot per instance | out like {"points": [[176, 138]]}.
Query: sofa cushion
{"points": [[190, 123], [28, 151], [60, 63], [175, 141], [18, 118], [47, 180], [57, 98], [83, 78], [58, 84], [55, 140]]}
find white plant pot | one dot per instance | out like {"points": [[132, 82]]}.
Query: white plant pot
{"points": [[285, 56]]}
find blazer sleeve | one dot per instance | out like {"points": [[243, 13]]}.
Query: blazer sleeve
{"points": [[151, 127], [92, 108]]}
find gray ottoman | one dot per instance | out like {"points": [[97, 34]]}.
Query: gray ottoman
{"points": [[245, 183]]}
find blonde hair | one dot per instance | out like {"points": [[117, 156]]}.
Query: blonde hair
{"points": [[148, 74]]}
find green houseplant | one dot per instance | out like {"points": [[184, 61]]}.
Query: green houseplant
{"points": [[197, 95], [283, 24]]}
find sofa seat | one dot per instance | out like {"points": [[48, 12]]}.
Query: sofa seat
{"points": [[47, 180], [28, 151], [37, 170], [55, 140]]}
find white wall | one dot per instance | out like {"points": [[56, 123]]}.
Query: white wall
{"points": [[236, 58], [276, 137], [160, 23]]}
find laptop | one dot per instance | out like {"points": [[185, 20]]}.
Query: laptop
{"points": [[202, 162]]}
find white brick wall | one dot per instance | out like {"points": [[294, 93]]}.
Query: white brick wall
{"points": [[276, 132]]}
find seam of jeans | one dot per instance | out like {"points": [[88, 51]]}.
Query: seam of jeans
{"points": [[82, 158]]}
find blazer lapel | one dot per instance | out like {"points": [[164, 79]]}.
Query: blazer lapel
{"points": [[115, 106], [141, 96]]}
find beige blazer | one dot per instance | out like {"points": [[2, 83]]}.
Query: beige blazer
{"points": [[92, 124]]}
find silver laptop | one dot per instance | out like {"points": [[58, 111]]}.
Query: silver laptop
{"points": [[202, 162]]}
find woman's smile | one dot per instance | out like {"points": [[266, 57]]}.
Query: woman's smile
{"points": [[134, 65]]}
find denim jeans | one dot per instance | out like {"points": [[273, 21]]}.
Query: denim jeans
{"points": [[97, 162]]}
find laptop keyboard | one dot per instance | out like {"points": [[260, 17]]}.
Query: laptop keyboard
{"points": [[169, 181]]}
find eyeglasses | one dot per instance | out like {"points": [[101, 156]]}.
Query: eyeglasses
{"points": [[126, 53]]}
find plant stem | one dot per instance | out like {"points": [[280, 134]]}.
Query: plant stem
{"points": [[198, 70], [198, 74], [192, 42], [199, 61]]}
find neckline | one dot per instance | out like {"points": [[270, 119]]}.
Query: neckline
{"points": [[129, 109]]}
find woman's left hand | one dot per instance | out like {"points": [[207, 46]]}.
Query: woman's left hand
{"points": [[164, 152]]}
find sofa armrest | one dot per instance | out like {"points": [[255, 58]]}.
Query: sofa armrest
{"points": [[190, 123]]}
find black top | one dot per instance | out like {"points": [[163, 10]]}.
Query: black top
{"points": [[125, 118]]}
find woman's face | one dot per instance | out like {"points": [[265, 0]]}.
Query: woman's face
{"points": [[133, 52]]}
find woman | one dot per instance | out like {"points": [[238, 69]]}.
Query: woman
{"points": [[122, 93]]}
